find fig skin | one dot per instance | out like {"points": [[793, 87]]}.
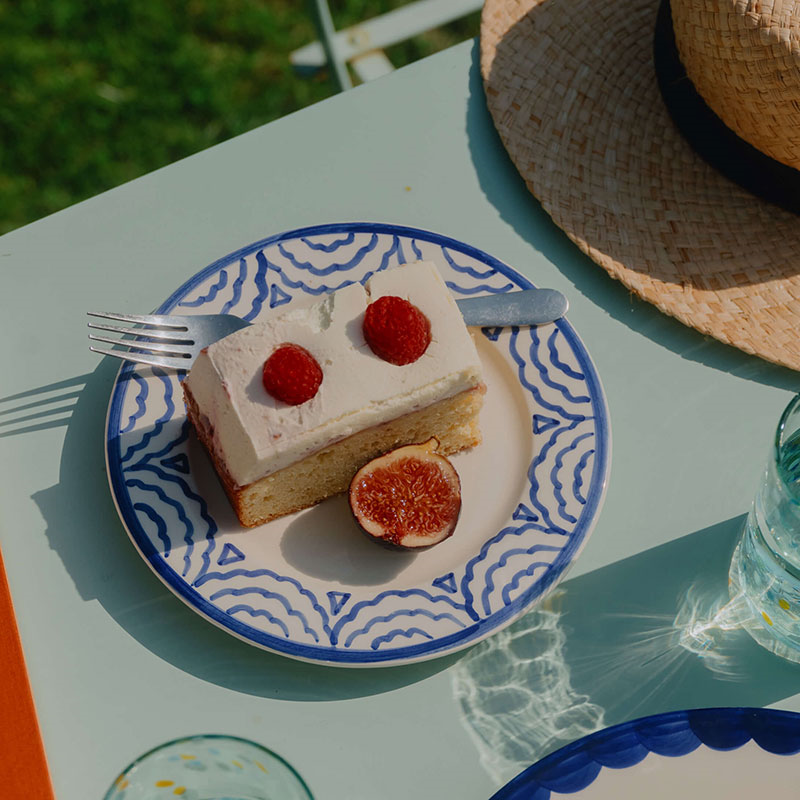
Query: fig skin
{"points": [[392, 531]]}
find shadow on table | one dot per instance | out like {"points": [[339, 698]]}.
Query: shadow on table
{"points": [[85, 531], [651, 633], [506, 191], [602, 650], [41, 408]]}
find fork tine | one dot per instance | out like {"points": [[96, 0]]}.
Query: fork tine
{"points": [[153, 347], [153, 361], [166, 336], [161, 320]]}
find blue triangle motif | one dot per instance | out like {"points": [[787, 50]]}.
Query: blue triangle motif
{"points": [[230, 555], [542, 424], [446, 582], [492, 334], [277, 296], [337, 600], [180, 463], [523, 512]]}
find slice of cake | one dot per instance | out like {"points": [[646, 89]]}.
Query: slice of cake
{"points": [[291, 408]]}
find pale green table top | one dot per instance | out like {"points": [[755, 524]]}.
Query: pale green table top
{"points": [[118, 664]]}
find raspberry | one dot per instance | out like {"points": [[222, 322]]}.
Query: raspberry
{"points": [[396, 330], [292, 374]]}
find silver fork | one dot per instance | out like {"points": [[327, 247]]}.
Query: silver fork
{"points": [[180, 339], [164, 340]]}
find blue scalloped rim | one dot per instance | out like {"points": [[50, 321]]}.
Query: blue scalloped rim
{"points": [[322, 654], [676, 733]]}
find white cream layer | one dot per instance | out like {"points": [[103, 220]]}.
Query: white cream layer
{"points": [[256, 435]]}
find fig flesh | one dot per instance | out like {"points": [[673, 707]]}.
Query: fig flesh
{"points": [[408, 498]]}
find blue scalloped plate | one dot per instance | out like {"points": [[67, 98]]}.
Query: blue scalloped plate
{"points": [[310, 585], [706, 753]]}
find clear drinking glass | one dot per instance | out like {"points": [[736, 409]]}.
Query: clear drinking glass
{"points": [[766, 563], [209, 767]]}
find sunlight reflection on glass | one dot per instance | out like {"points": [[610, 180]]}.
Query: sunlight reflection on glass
{"points": [[515, 694], [661, 645], [701, 626]]}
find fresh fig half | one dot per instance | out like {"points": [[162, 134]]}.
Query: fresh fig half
{"points": [[408, 498]]}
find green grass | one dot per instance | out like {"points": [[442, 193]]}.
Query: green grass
{"points": [[97, 93]]}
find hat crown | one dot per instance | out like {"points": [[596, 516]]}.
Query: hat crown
{"points": [[743, 57]]}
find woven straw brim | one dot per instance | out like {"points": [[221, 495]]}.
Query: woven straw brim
{"points": [[572, 90]]}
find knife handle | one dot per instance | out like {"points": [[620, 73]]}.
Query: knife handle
{"points": [[525, 307]]}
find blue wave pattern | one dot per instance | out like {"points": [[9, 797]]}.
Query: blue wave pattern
{"points": [[170, 522], [675, 734]]}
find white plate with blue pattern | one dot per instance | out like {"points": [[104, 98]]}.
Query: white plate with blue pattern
{"points": [[697, 754], [310, 585]]}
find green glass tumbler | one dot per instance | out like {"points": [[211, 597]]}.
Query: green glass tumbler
{"points": [[765, 568], [209, 767]]}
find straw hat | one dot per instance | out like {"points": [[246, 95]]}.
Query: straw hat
{"points": [[573, 91]]}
